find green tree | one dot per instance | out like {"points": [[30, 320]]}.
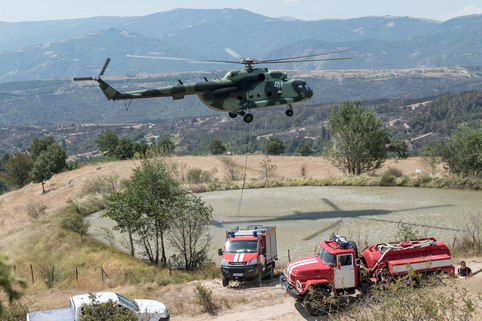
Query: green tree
{"points": [[153, 193], [76, 223], [429, 157], [48, 163], [188, 234], [462, 152], [10, 284], [119, 208], [40, 145], [124, 149], [303, 150], [274, 146], [165, 146], [399, 148], [107, 142], [17, 170], [216, 147], [358, 139]]}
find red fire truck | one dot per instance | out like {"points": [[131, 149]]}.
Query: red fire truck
{"points": [[249, 254], [336, 267]]}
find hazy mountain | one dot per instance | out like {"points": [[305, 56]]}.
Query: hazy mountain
{"points": [[67, 48]]}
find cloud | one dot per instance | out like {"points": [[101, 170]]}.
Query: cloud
{"points": [[468, 10]]}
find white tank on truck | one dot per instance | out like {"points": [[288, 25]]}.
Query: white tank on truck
{"points": [[249, 254]]}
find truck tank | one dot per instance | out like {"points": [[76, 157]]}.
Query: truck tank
{"points": [[422, 255]]}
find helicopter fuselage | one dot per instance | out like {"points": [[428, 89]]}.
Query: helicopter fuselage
{"points": [[237, 91]]}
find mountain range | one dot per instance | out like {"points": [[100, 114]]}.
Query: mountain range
{"points": [[78, 47]]}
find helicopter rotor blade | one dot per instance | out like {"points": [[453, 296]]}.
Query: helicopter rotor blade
{"points": [[159, 57], [185, 59], [314, 55], [234, 53], [83, 78], [308, 60], [105, 67]]}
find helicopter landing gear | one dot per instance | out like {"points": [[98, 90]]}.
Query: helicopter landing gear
{"points": [[289, 112], [233, 115], [248, 118]]}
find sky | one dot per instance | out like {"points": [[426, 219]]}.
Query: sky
{"points": [[35, 10]]}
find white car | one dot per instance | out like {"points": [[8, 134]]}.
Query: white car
{"points": [[147, 310]]}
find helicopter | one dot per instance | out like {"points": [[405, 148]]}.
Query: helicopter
{"points": [[237, 93]]}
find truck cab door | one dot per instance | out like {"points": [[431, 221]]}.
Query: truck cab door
{"points": [[345, 274]]}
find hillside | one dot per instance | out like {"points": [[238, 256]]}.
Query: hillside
{"points": [[415, 120], [61, 102], [24, 239]]}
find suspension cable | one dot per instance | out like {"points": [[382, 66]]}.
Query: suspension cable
{"points": [[244, 175]]}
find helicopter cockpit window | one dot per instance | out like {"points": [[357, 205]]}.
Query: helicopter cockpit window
{"points": [[302, 89]]}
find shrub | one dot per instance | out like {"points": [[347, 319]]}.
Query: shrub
{"points": [[205, 299], [16, 311], [106, 311], [35, 209], [198, 176], [394, 171]]}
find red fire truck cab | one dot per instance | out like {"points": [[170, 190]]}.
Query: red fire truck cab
{"points": [[249, 254], [337, 267]]}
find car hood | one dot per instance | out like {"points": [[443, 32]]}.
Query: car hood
{"points": [[306, 268], [151, 306], [231, 258]]}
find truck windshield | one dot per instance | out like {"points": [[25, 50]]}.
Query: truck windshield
{"points": [[242, 246], [131, 304], [326, 256]]}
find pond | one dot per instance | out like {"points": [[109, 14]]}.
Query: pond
{"points": [[368, 215]]}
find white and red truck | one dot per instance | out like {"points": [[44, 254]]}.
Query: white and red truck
{"points": [[249, 253], [337, 267]]}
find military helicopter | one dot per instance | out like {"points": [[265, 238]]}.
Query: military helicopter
{"points": [[237, 93]]}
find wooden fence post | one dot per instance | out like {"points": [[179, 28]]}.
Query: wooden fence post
{"points": [[170, 267], [76, 274], [31, 272], [102, 273], [289, 258], [53, 268]]}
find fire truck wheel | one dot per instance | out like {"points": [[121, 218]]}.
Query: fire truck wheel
{"points": [[313, 301], [270, 274], [257, 279], [225, 282]]}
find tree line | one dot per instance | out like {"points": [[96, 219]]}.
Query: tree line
{"points": [[43, 159]]}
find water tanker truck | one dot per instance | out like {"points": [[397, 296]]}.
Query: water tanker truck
{"points": [[337, 267], [249, 254]]}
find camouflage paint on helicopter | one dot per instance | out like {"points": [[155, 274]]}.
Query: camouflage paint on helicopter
{"points": [[237, 93]]}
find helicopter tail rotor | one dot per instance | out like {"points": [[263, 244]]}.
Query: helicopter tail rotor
{"points": [[94, 78]]}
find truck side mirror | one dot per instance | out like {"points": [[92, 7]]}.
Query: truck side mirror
{"points": [[220, 252], [338, 265], [263, 251]]}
